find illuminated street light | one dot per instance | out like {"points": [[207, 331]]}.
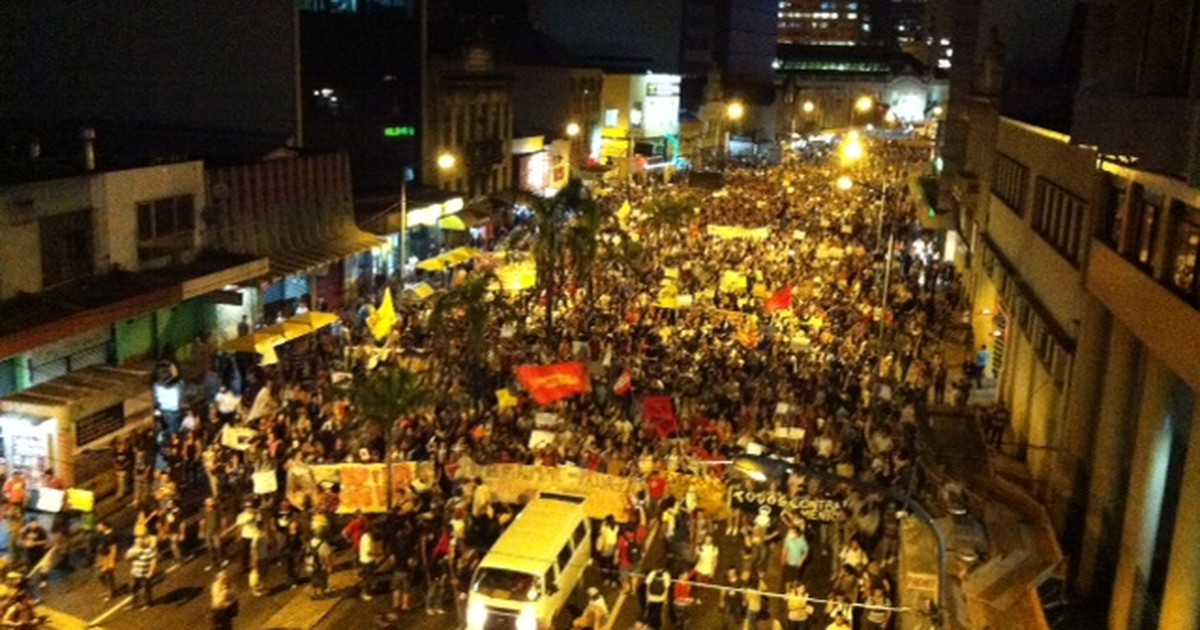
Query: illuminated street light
{"points": [[890, 117], [573, 129], [852, 148], [735, 111], [845, 183], [937, 111], [446, 161], [864, 104], [808, 107]]}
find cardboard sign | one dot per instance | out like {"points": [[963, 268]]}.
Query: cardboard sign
{"points": [[49, 500], [81, 500], [541, 438], [545, 420], [237, 438], [789, 433], [265, 482]]}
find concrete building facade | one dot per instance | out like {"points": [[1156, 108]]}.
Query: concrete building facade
{"points": [[1084, 286]]}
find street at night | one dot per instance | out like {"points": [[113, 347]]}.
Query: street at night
{"points": [[625, 315]]}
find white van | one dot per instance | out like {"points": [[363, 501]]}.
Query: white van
{"points": [[526, 579]]}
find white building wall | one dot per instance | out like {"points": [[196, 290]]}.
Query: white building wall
{"points": [[119, 192]]}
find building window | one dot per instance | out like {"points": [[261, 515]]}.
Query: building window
{"points": [[1147, 222], [1117, 218], [166, 218], [67, 242], [1183, 256], [1009, 184], [611, 117], [1058, 218]]}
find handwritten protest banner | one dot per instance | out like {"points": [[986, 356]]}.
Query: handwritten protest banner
{"points": [[360, 486], [607, 495], [805, 507]]}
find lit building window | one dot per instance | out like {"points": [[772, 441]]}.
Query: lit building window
{"points": [[944, 64], [611, 117], [945, 41]]}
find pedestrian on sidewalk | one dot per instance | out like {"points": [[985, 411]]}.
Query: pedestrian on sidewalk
{"points": [[224, 601], [595, 616], [144, 563], [107, 556]]}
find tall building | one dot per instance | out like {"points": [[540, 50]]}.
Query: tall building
{"points": [[825, 22], [1084, 284]]}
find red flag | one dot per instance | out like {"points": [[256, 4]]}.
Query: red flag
{"points": [[659, 412], [624, 383], [550, 383], [782, 300]]}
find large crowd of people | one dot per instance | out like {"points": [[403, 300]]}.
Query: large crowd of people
{"points": [[831, 376]]}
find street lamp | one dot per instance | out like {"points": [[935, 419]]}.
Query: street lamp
{"points": [[852, 148], [864, 104], [844, 183], [445, 162], [572, 129], [808, 107], [734, 112]]}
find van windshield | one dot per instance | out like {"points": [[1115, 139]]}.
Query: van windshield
{"points": [[504, 584]]}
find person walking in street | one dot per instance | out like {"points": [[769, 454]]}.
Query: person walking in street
{"points": [[212, 525], [107, 556], [658, 590], [795, 554], [143, 557], [732, 602], [318, 559], [224, 601], [606, 549], [799, 611], [595, 615], [122, 463]]}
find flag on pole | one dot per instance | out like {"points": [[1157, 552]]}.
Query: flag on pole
{"points": [[624, 383], [780, 301], [384, 318], [551, 383], [659, 412]]}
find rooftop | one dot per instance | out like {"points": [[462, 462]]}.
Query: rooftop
{"points": [[802, 59], [31, 319]]}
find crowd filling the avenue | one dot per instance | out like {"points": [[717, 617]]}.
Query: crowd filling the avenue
{"points": [[705, 364]]}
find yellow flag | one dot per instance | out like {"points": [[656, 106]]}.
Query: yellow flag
{"points": [[505, 398], [384, 317], [623, 212]]}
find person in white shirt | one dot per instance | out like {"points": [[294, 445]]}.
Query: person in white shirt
{"points": [[227, 405]]}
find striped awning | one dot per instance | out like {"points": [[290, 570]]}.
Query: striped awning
{"points": [[309, 257]]}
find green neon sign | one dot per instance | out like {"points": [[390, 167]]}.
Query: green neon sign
{"points": [[399, 132]]}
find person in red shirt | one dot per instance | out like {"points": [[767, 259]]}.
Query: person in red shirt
{"points": [[353, 531], [656, 485], [629, 554]]}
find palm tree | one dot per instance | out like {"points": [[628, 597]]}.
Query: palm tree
{"points": [[470, 312], [550, 217], [383, 397]]}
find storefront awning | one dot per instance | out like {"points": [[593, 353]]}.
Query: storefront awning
{"points": [[85, 392], [33, 320], [308, 257]]}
